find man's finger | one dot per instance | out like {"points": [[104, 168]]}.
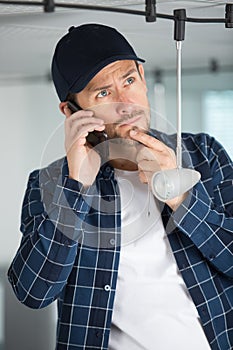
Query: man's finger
{"points": [[147, 154], [147, 140]]}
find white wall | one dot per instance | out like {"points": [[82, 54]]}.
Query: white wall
{"points": [[29, 114], [193, 87]]}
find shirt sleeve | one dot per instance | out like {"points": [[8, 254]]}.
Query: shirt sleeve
{"points": [[52, 215], [206, 215]]}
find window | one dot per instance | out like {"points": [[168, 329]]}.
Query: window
{"points": [[218, 117]]}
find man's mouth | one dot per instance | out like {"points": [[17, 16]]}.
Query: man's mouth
{"points": [[131, 119], [121, 128]]}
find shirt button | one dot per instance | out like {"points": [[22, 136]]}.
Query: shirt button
{"points": [[112, 241], [108, 169], [211, 256], [107, 288]]}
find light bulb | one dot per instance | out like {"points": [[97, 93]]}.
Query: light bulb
{"points": [[168, 184]]}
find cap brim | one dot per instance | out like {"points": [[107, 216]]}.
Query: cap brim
{"points": [[81, 82]]}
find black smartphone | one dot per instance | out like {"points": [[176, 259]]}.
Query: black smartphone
{"points": [[93, 138]]}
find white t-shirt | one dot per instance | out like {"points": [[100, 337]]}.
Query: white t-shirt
{"points": [[152, 309]]}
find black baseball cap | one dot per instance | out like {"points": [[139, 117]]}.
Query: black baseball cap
{"points": [[83, 52]]}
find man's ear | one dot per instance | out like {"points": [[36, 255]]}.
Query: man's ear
{"points": [[141, 72], [63, 107], [142, 75]]}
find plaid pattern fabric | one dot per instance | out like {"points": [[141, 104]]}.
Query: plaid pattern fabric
{"points": [[70, 247]]}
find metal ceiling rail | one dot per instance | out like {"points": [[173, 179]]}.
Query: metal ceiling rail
{"points": [[149, 13]]}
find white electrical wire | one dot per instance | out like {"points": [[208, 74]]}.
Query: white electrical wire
{"points": [[178, 104]]}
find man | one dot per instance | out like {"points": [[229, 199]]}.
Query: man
{"points": [[127, 271]]}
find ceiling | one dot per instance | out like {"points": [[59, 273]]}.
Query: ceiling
{"points": [[28, 35]]}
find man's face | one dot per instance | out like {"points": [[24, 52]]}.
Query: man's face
{"points": [[118, 95]]}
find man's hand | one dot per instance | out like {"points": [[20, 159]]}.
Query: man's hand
{"points": [[152, 157], [83, 162]]}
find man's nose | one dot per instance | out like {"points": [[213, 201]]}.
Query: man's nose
{"points": [[124, 108], [123, 103]]}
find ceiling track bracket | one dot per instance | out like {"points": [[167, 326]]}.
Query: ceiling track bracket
{"points": [[49, 6], [150, 10], [229, 16], [149, 13]]}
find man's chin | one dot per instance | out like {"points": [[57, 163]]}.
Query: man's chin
{"points": [[120, 141], [123, 131], [122, 136]]}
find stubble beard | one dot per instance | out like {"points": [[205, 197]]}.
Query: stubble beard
{"points": [[119, 134]]}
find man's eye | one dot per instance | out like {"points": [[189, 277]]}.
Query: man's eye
{"points": [[130, 81], [102, 93]]}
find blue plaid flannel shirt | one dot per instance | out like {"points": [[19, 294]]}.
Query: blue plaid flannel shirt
{"points": [[70, 247]]}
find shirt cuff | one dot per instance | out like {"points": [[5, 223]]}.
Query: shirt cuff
{"points": [[192, 212], [70, 205]]}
